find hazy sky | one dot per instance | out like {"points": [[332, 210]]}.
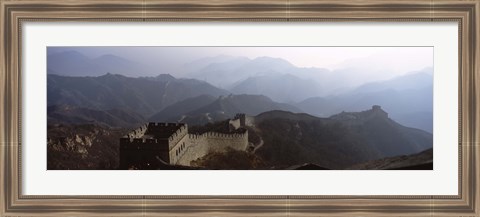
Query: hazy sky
{"points": [[397, 60]]}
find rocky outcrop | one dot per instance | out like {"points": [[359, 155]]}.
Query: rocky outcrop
{"points": [[82, 147]]}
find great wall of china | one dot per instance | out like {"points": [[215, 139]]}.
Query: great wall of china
{"points": [[172, 144]]}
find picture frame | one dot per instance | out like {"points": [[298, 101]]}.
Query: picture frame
{"points": [[14, 13]]}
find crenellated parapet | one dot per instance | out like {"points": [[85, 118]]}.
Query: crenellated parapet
{"points": [[172, 143], [241, 134], [141, 140], [178, 135], [239, 116], [224, 135], [153, 124], [138, 133]]}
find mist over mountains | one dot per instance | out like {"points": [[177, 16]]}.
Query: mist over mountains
{"points": [[73, 63], [95, 83], [333, 118], [206, 109], [145, 95], [408, 99]]}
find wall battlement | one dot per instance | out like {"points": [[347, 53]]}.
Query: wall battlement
{"points": [[178, 135], [154, 124], [172, 143], [218, 135], [142, 140], [138, 133]]}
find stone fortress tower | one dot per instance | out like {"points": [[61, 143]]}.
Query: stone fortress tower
{"points": [[171, 144], [355, 118], [378, 111]]}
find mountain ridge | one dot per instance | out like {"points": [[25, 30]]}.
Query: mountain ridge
{"points": [[408, 101], [145, 95], [335, 142], [219, 109]]}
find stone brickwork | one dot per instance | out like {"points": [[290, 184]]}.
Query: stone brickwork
{"points": [[171, 143], [200, 145]]}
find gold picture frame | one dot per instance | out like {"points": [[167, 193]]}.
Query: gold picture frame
{"points": [[15, 12]]}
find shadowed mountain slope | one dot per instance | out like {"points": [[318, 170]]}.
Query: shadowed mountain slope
{"points": [[219, 109], [336, 142], [422, 159], [146, 95], [408, 99], [66, 114]]}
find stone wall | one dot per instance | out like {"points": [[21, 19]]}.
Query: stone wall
{"points": [[175, 138], [180, 148], [218, 142], [196, 148], [200, 145], [357, 118]]}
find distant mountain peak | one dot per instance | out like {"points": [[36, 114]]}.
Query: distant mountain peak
{"points": [[108, 56], [145, 95], [272, 59], [111, 75], [268, 58], [166, 77], [223, 56], [69, 52], [74, 63]]}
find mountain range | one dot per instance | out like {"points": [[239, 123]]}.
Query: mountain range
{"points": [[67, 115], [235, 74], [372, 141], [301, 115], [77, 80], [73, 63], [408, 99], [206, 109], [119, 101], [334, 142], [144, 95]]}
